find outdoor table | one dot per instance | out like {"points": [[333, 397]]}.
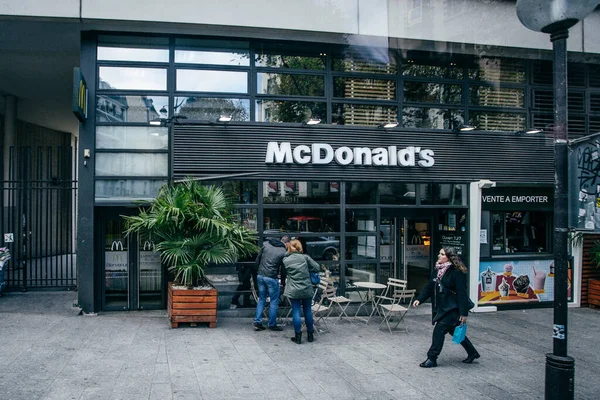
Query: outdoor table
{"points": [[369, 297]]}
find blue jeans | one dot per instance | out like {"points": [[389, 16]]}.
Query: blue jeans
{"points": [[308, 317], [271, 286]]}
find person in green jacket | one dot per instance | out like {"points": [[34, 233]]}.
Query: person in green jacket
{"points": [[299, 288]]}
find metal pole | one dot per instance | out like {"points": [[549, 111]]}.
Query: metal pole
{"points": [[560, 369]]}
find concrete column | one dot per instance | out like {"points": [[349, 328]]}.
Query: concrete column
{"points": [[10, 128]]}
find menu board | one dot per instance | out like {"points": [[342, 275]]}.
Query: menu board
{"points": [[456, 240]]}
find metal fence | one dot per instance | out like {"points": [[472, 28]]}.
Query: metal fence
{"points": [[39, 197]]}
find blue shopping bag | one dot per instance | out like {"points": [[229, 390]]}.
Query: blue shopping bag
{"points": [[459, 333]]}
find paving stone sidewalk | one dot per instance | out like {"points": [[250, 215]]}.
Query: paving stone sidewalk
{"points": [[48, 351]]}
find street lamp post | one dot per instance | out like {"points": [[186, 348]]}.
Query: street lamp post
{"points": [[555, 17]]}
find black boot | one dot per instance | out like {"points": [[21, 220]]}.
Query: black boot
{"points": [[297, 338], [310, 336], [428, 364], [471, 351]]}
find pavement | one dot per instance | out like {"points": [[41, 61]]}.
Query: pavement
{"points": [[49, 351]]}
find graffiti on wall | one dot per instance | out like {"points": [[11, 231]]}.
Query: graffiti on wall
{"points": [[588, 185]]}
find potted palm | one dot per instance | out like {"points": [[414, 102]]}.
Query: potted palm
{"points": [[192, 227]]}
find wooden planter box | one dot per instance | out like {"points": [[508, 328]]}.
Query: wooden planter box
{"points": [[594, 292], [187, 305]]}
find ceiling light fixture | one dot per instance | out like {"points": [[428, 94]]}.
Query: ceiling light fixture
{"points": [[224, 118], [312, 121], [388, 125], [463, 128]]}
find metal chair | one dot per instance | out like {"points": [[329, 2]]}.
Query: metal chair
{"points": [[395, 308], [393, 285], [319, 307]]}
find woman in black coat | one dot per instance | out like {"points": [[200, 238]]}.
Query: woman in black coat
{"points": [[450, 304]]}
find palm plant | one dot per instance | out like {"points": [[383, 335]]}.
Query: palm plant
{"points": [[192, 227]]}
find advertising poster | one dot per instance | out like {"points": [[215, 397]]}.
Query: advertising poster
{"points": [[509, 281], [454, 240]]}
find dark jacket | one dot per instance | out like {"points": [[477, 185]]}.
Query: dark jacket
{"points": [[270, 257], [449, 298], [298, 284]]}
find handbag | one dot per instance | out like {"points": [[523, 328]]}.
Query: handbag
{"points": [[315, 278], [459, 333]]}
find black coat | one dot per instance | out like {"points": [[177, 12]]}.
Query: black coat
{"points": [[449, 298]]}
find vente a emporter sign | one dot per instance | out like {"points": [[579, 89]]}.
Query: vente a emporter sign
{"points": [[323, 153]]}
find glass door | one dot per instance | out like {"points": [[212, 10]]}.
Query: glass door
{"points": [[416, 251], [133, 276]]}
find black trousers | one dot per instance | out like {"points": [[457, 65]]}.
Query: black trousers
{"points": [[244, 276], [437, 341]]}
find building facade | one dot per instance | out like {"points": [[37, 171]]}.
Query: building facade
{"points": [[376, 132]]}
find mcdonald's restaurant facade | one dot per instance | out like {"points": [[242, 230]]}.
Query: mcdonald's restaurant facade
{"points": [[355, 148]]}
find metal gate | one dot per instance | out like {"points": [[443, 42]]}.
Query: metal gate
{"points": [[39, 197]]}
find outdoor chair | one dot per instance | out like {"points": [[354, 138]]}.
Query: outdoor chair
{"points": [[330, 294], [393, 285], [395, 307], [319, 307]]}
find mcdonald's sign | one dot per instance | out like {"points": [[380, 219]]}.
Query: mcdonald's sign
{"points": [[80, 95]]}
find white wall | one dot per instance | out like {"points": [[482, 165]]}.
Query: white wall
{"points": [[40, 8]]}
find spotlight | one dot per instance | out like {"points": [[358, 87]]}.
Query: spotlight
{"points": [[157, 122], [312, 121], [530, 131], [463, 128], [388, 125], [224, 118]]}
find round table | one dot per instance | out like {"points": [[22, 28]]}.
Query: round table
{"points": [[369, 297]]}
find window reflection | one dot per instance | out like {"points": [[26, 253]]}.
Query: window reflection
{"points": [[118, 108], [238, 58], [414, 67], [211, 108], [301, 192], [132, 137], [130, 78], [379, 61], [212, 81], [498, 70], [497, 97], [360, 88], [443, 193], [428, 92], [397, 193], [124, 189], [358, 114], [431, 118], [290, 84], [132, 54], [240, 192], [290, 61], [132, 164], [246, 217], [497, 121], [289, 111], [298, 220], [361, 220]]}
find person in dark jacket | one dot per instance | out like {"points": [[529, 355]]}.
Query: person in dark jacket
{"points": [[450, 304], [299, 288], [269, 262]]}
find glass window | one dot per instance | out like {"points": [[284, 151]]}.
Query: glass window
{"points": [[107, 190], [247, 217], [497, 121], [379, 61], [359, 248], [118, 108], [444, 193], [211, 108], [320, 248], [361, 193], [428, 92], [194, 80], [290, 84], [361, 272], [431, 118], [299, 220], [359, 114], [132, 137], [453, 221], [361, 220], [301, 192], [496, 96], [237, 58], [397, 193], [290, 61], [240, 192], [498, 70], [520, 232], [289, 111], [132, 54], [413, 67], [130, 78], [132, 164], [363, 88]]}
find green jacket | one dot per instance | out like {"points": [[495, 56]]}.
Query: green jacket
{"points": [[298, 285]]}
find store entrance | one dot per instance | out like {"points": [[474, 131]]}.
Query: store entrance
{"points": [[131, 271], [406, 248]]}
